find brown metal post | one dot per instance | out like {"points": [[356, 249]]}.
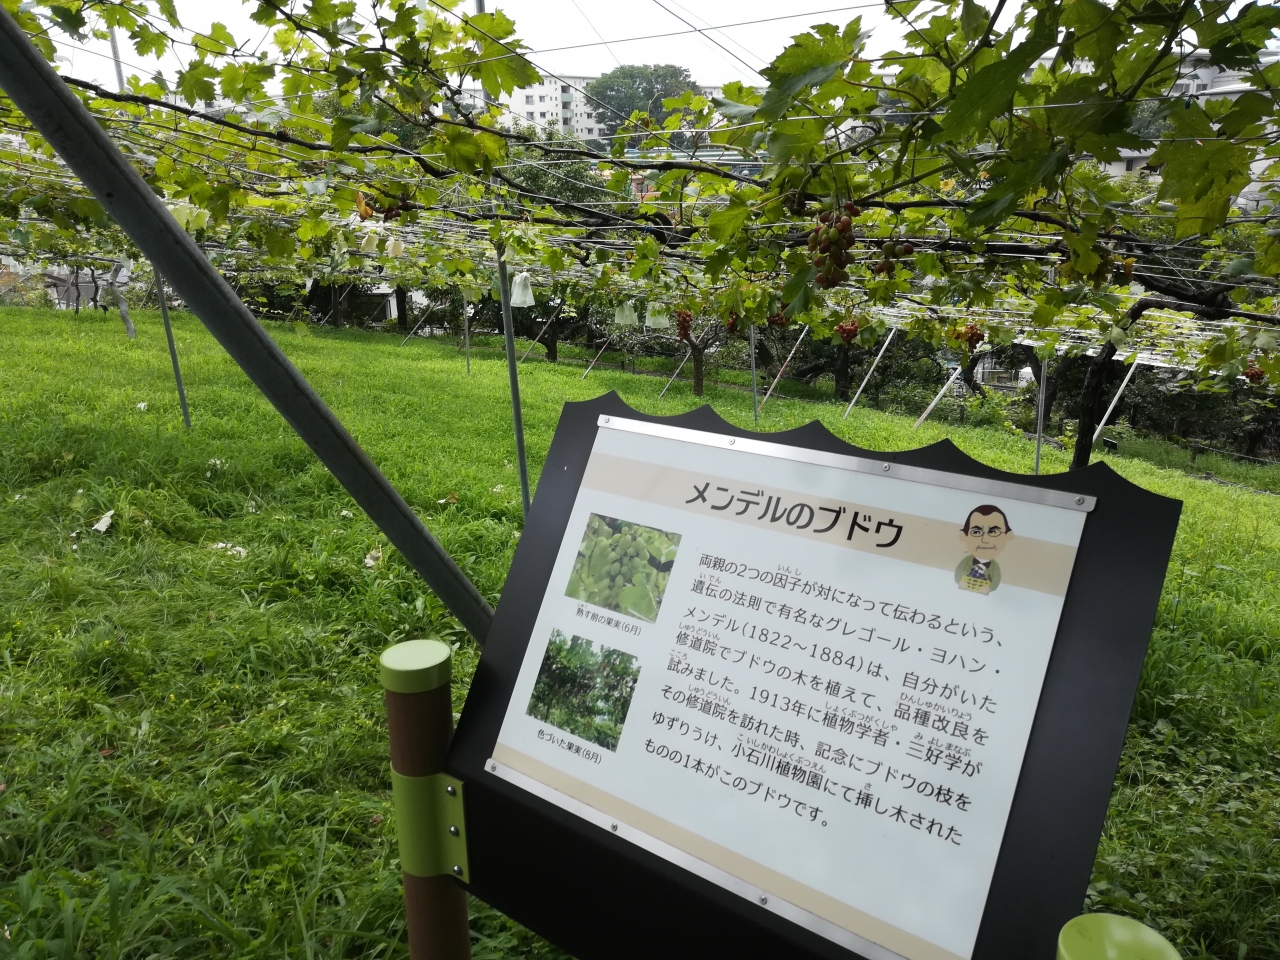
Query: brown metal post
{"points": [[416, 676]]}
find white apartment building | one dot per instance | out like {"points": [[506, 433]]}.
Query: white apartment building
{"points": [[557, 104]]}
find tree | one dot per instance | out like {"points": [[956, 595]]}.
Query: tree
{"points": [[569, 185], [699, 336], [637, 87]]}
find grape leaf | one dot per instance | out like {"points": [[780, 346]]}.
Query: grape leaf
{"points": [[783, 90], [196, 83], [727, 221], [973, 20]]}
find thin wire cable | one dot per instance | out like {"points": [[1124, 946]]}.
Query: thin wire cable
{"points": [[713, 40], [729, 39], [596, 32], [685, 33]]}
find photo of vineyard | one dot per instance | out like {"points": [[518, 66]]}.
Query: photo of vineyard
{"points": [[583, 690]]}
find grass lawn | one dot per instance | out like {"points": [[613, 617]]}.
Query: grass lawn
{"points": [[192, 748], [1259, 475]]}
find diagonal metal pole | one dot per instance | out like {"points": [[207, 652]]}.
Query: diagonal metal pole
{"points": [[781, 371], [416, 327], [84, 146], [755, 391], [431, 308], [872, 369], [929, 409], [1133, 367], [173, 348], [598, 356], [1044, 379], [545, 326], [676, 374]]}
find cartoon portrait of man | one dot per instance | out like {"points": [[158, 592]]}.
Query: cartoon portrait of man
{"points": [[985, 534]]}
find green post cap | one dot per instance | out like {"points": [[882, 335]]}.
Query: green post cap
{"points": [[415, 666], [1105, 936]]}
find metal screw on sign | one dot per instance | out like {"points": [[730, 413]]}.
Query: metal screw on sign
{"points": [[885, 468]]}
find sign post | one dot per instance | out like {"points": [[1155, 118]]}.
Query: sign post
{"points": [[751, 696], [430, 824]]}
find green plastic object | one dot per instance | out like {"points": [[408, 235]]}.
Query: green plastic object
{"points": [[1105, 936], [430, 825], [416, 665]]}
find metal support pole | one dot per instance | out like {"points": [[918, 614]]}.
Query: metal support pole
{"points": [[429, 817], [525, 356], [598, 356], [755, 391], [1114, 400], [416, 327], [466, 337], [676, 374], [872, 369], [431, 308], [929, 409], [115, 56], [781, 371], [513, 378], [544, 329], [1044, 379], [84, 146], [173, 349]]}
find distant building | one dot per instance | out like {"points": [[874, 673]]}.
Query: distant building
{"points": [[1202, 81], [559, 105], [556, 104]]}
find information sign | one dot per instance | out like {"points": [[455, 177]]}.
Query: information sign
{"points": [[807, 677]]}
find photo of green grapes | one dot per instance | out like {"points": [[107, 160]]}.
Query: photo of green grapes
{"points": [[623, 566]]}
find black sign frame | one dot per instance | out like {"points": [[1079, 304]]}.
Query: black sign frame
{"points": [[600, 897]]}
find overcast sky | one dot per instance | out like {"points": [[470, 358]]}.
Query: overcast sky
{"points": [[714, 56]]}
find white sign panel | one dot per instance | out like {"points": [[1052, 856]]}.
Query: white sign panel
{"points": [[807, 677]]}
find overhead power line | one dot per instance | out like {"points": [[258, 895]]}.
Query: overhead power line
{"points": [[685, 33], [596, 32]]}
